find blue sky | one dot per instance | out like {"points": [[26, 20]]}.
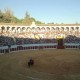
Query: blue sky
{"points": [[57, 11]]}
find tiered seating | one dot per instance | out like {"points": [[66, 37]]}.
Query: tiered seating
{"points": [[72, 42], [4, 41], [72, 39]]}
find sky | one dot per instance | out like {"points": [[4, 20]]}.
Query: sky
{"points": [[57, 11]]}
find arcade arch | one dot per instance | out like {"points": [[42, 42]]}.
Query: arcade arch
{"points": [[46, 31], [2, 29]]}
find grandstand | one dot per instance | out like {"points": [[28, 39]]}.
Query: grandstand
{"points": [[55, 36]]}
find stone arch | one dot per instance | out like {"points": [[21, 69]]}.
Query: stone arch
{"points": [[18, 29], [13, 29], [38, 29], [72, 28], [33, 29], [77, 31], [77, 28], [23, 29], [8, 28], [67, 28], [28, 29], [52, 28], [53, 32], [66, 31], [48, 28], [2, 29], [43, 28], [62, 30], [57, 28]]}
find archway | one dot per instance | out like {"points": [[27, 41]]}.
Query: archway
{"points": [[60, 42]]}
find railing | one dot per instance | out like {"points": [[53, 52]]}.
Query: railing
{"points": [[13, 48], [7, 49], [72, 46]]}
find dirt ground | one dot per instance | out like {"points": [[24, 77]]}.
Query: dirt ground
{"points": [[51, 64]]}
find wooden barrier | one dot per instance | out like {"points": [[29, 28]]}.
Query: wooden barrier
{"points": [[6, 49], [13, 48], [71, 46]]}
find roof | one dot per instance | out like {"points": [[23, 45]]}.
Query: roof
{"points": [[58, 24], [21, 24]]}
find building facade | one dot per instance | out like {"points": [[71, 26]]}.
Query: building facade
{"points": [[40, 31]]}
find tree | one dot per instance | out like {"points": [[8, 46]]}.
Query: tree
{"points": [[32, 19], [27, 16], [8, 15], [27, 19], [39, 22], [1, 16], [15, 20]]}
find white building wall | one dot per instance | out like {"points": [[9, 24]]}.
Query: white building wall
{"points": [[41, 31]]}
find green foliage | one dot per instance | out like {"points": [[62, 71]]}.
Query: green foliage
{"points": [[15, 20], [7, 16], [39, 22], [1, 16], [27, 16]]}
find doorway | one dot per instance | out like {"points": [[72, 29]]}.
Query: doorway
{"points": [[60, 43]]}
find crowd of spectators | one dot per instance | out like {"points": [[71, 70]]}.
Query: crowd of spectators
{"points": [[33, 41], [5, 41], [72, 39]]}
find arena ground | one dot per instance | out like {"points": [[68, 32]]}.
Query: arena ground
{"points": [[57, 64]]}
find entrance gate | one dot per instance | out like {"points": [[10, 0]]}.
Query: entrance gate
{"points": [[60, 43]]}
